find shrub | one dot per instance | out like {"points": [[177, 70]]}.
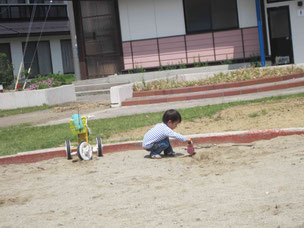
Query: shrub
{"points": [[6, 71], [49, 81]]}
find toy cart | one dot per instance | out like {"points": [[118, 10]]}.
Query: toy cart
{"points": [[79, 126]]}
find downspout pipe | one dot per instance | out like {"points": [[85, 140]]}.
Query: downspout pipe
{"points": [[261, 41]]}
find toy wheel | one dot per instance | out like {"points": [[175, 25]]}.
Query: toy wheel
{"points": [[84, 151], [99, 147], [68, 149]]}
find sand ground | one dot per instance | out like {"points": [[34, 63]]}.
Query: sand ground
{"points": [[226, 185]]}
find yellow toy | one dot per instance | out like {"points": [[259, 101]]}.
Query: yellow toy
{"points": [[79, 126]]}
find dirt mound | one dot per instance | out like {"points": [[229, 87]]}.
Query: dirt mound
{"points": [[285, 113]]}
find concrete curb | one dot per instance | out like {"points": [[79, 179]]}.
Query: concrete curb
{"points": [[215, 138]]}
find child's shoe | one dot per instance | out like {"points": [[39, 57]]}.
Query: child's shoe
{"points": [[156, 156], [170, 154]]}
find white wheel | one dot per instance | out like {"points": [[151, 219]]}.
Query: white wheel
{"points": [[84, 151], [99, 147], [68, 149]]}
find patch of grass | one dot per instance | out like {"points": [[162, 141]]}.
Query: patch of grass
{"points": [[27, 138], [253, 115], [263, 112], [182, 65], [238, 75], [69, 78], [10, 112]]}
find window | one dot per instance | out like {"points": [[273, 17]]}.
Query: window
{"points": [[12, 2], [5, 48], [67, 56], [209, 15], [40, 60]]}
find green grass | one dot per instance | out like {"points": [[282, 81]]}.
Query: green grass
{"points": [[263, 112], [254, 115], [10, 112], [27, 138]]}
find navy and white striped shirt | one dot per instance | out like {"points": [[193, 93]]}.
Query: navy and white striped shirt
{"points": [[159, 132]]}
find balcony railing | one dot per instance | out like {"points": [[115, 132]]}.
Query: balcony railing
{"points": [[24, 12]]}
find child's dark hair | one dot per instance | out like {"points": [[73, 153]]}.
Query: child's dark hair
{"points": [[172, 115]]}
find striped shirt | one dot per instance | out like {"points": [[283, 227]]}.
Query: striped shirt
{"points": [[159, 132]]}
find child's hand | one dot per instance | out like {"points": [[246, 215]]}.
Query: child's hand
{"points": [[189, 142]]}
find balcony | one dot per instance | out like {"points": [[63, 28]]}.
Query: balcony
{"points": [[23, 12]]}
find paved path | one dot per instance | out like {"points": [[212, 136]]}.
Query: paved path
{"points": [[49, 117], [138, 109]]}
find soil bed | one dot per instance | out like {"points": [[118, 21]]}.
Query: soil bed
{"points": [[286, 113]]}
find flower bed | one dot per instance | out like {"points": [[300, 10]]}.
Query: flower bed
{"points": [[49, 81], [231, 76]]}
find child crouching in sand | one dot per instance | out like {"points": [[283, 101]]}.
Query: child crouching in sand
{"points": [[156, 139]]}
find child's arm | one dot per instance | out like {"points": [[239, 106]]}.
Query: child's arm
{"points": [[178, 136]]}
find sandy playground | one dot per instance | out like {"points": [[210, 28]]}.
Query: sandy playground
{"points": [[258, 184]]}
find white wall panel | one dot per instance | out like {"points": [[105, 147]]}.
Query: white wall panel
{"points": [[124, 20], [144, 19], [169, 17], [141, 19], [247, 13], [297, 31]]}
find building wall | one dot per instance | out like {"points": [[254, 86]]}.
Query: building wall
{"points": [[154, 34], [297, 32], [55, 48], [297, 28], [162, 18]]}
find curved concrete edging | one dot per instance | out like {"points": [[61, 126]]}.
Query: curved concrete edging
{"points": [[119, 94], [216, 138], [226, 85], [229, 89]]}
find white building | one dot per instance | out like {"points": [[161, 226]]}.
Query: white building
{"points": [[50, 29], [120, 35]]}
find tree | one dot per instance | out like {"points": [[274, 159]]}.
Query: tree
{"points": [[6, 71]]}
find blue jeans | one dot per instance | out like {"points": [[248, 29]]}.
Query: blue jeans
{"points": [[160, 146]]}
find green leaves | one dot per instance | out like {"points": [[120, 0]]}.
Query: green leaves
{"points": [[6, 71]]}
